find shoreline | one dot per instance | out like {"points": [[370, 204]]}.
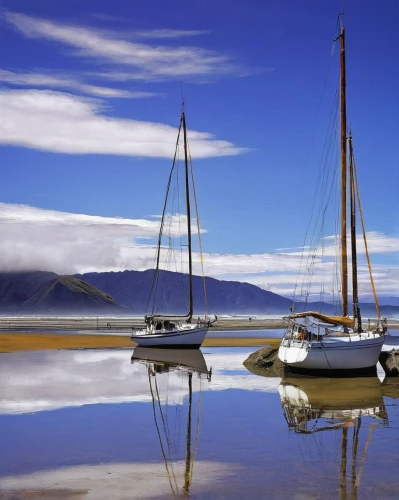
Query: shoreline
{"points": [[123, 325], [16, 342]]}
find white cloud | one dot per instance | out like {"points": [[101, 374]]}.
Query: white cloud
{"points": [[34, 238], [377, 243], [168, 33], [61, 82], [150, 62], [63, 123], [67, 243]]}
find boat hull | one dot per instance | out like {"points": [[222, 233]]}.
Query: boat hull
{"points": [[191, 359], [176, 339], [335, 354]]}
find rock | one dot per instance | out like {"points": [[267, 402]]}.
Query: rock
{"points": [[390, 362], [265, 362]]}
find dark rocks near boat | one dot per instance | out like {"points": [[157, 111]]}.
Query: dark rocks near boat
{"points": [[265, 362], [390, 362]]}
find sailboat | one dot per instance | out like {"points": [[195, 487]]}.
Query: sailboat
{"points": [[316, 341], [176, 331], [315, 405], [184, 364]]}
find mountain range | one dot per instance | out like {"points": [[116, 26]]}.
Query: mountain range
{"points": [[46, 292], [127, 292]]}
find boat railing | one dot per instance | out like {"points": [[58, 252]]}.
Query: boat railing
{"points": [[311, 330]]}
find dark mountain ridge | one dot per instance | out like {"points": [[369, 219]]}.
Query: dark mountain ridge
{"points": [[127, 292], [132, 288], [43, 292]]}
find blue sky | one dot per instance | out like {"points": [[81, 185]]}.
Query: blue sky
{"points": [[90, 98]]}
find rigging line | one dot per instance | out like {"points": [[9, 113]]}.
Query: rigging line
{"points": [[308, 155], [162, 415], [372, 427], [317, 244], [159, 434], [365, 240], [155, 274], [324, 173], [310, 263], [199, 234]]}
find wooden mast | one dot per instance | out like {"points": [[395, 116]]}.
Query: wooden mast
{"points": [[355, 300], [187, 472], [344, 262], [190, 264]]}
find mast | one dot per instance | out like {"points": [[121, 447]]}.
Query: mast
{"points": [[344, 446], [355, 300], [344, 262], [187, 472], [190, 264]]}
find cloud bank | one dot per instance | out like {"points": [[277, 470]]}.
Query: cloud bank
{"points": [[66, 243], [35, 79], [146, 61], [63, 123]]}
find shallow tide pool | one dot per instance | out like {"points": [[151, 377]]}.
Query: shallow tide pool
{"points": [[96, 424]]}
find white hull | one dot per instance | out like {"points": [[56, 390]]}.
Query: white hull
{"points": [[352, 352], [179, 338], [191, 359]]}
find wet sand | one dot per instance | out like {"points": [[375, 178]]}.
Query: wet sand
{"points": [[14, 342]]}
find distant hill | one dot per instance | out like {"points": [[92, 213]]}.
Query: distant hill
{"points": [[132, 288], [127, 292], [16, 288], [52, 294]]}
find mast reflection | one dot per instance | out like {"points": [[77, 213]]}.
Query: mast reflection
{"points": [[314, 405], [175, 365]]}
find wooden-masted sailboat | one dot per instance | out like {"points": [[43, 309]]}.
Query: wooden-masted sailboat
{"points": [[177, 331], [316, 341], [182, 363]]}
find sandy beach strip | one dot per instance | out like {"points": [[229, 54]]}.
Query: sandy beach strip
{"points": [[14, 342]]}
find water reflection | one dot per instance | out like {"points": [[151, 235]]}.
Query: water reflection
{"points": [[315, 405], [169, 422], [50, 380]]}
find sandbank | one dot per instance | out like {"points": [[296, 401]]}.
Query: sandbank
{"points": [[13, 342]]}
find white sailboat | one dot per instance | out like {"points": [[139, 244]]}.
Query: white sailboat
{"points": [[316, 341], [176, 331], [178, 448]]}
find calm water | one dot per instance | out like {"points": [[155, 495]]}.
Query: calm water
{"points": [[92, 424]]}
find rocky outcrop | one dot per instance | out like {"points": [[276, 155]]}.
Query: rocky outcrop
{"points": [[265, 362], [390, 362]]}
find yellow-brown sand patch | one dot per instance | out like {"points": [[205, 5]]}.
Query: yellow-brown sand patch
{"points": [[13, 342]]}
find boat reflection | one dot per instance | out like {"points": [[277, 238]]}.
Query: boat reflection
{"points": [[313, 405], [171, 419]]}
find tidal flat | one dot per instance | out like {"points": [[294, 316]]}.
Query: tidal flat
{"points": [[127, 423]]}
